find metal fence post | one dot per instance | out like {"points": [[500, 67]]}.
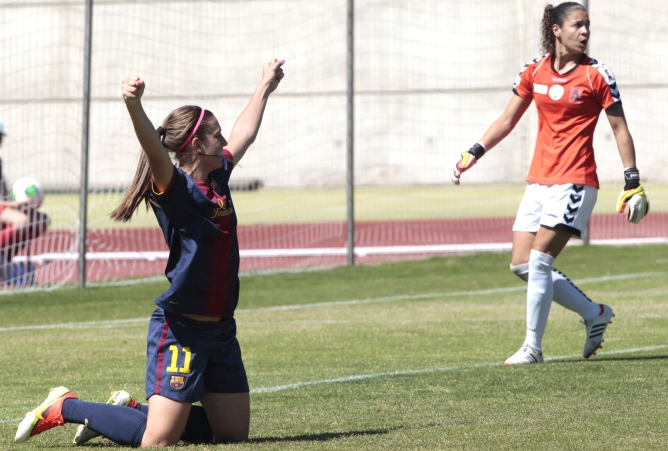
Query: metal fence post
{"points": [[85, 121], [350, 175]]}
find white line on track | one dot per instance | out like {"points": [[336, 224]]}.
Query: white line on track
{"points": [[359, 377], [121, 322]]}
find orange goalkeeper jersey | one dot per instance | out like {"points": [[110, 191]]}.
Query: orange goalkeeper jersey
{"points": [[568, 108]]}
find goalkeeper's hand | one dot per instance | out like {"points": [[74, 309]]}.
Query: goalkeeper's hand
{"points": [[467, 160], [632, 187]]}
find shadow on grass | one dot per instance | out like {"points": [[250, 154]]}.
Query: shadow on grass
{"points": [[324, 437]]}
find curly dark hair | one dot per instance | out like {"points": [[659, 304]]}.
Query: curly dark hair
{"points": [[555, 15]]}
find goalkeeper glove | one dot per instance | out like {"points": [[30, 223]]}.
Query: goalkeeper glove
{"points": [[467, 160], [638, 207]]}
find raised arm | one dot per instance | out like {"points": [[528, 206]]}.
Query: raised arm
{"points": [[158, 158], [247, 125]]}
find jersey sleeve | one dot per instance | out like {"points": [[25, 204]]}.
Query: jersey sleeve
{"points": [[523, 85], [605, 86], [228, 164], [168, 198]]}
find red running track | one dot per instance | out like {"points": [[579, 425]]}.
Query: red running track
{"points": [[308, 236]]}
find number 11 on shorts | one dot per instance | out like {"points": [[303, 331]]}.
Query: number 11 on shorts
{"points": [[173, 366]]}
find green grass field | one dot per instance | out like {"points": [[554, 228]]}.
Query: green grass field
{"points": [[267, 206], [399, 356]]}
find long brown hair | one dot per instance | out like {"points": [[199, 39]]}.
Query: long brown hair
{"points": [[173, 132], [551, 16]]}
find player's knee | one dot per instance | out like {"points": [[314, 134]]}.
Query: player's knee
{"points": [[521, 271], [159, 439], [158, 442]]}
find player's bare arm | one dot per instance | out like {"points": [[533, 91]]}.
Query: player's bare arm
{"points": [[247, 125], [506, 122], [494, 135], [633, 194], [622, 136], [17, 205], [158, 158]]}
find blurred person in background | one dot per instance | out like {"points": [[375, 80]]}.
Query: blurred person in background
{"points": [[20, 223]]}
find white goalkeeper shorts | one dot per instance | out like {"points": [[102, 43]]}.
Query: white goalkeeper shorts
{"points": [[566, 207]]}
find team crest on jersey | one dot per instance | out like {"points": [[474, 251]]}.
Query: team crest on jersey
{"points": [[215, 186], [556, 92], [576, 95], [606, 72], [177, 382]]}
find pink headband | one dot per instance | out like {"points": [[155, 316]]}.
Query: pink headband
{"points": [[192, 135]]}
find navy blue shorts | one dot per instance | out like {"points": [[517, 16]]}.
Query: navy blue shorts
{"points": [[188, 358]]}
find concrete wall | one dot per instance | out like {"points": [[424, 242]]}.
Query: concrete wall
{"points": [[431, 76]]}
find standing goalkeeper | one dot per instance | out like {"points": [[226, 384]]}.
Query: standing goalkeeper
{"points": [[570, 90]]}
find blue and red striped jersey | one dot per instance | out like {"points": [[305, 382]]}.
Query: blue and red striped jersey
{"points": [[200, 228]]}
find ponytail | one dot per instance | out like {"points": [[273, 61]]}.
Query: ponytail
{"points": [[139, 189], [547, 39]]}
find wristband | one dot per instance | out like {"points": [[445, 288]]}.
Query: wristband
{"points": [[631, 178], [478, 150]]}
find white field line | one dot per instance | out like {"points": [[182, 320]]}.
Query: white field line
{"points": [[359, 377], [416, 321], [78, 325], [120, 322], [13, 420], [442, 294]]}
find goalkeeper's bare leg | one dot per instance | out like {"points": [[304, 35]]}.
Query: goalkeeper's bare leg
{"points": [[595, 316]]}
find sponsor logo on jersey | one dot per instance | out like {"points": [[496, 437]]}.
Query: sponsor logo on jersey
{"points": [[576, 95], [556, 92], [559, 80], [539, 89], [177, 382], [222, 209]]}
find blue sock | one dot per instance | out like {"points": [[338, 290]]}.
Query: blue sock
{"points": [[117, 423], [142, 408]]}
